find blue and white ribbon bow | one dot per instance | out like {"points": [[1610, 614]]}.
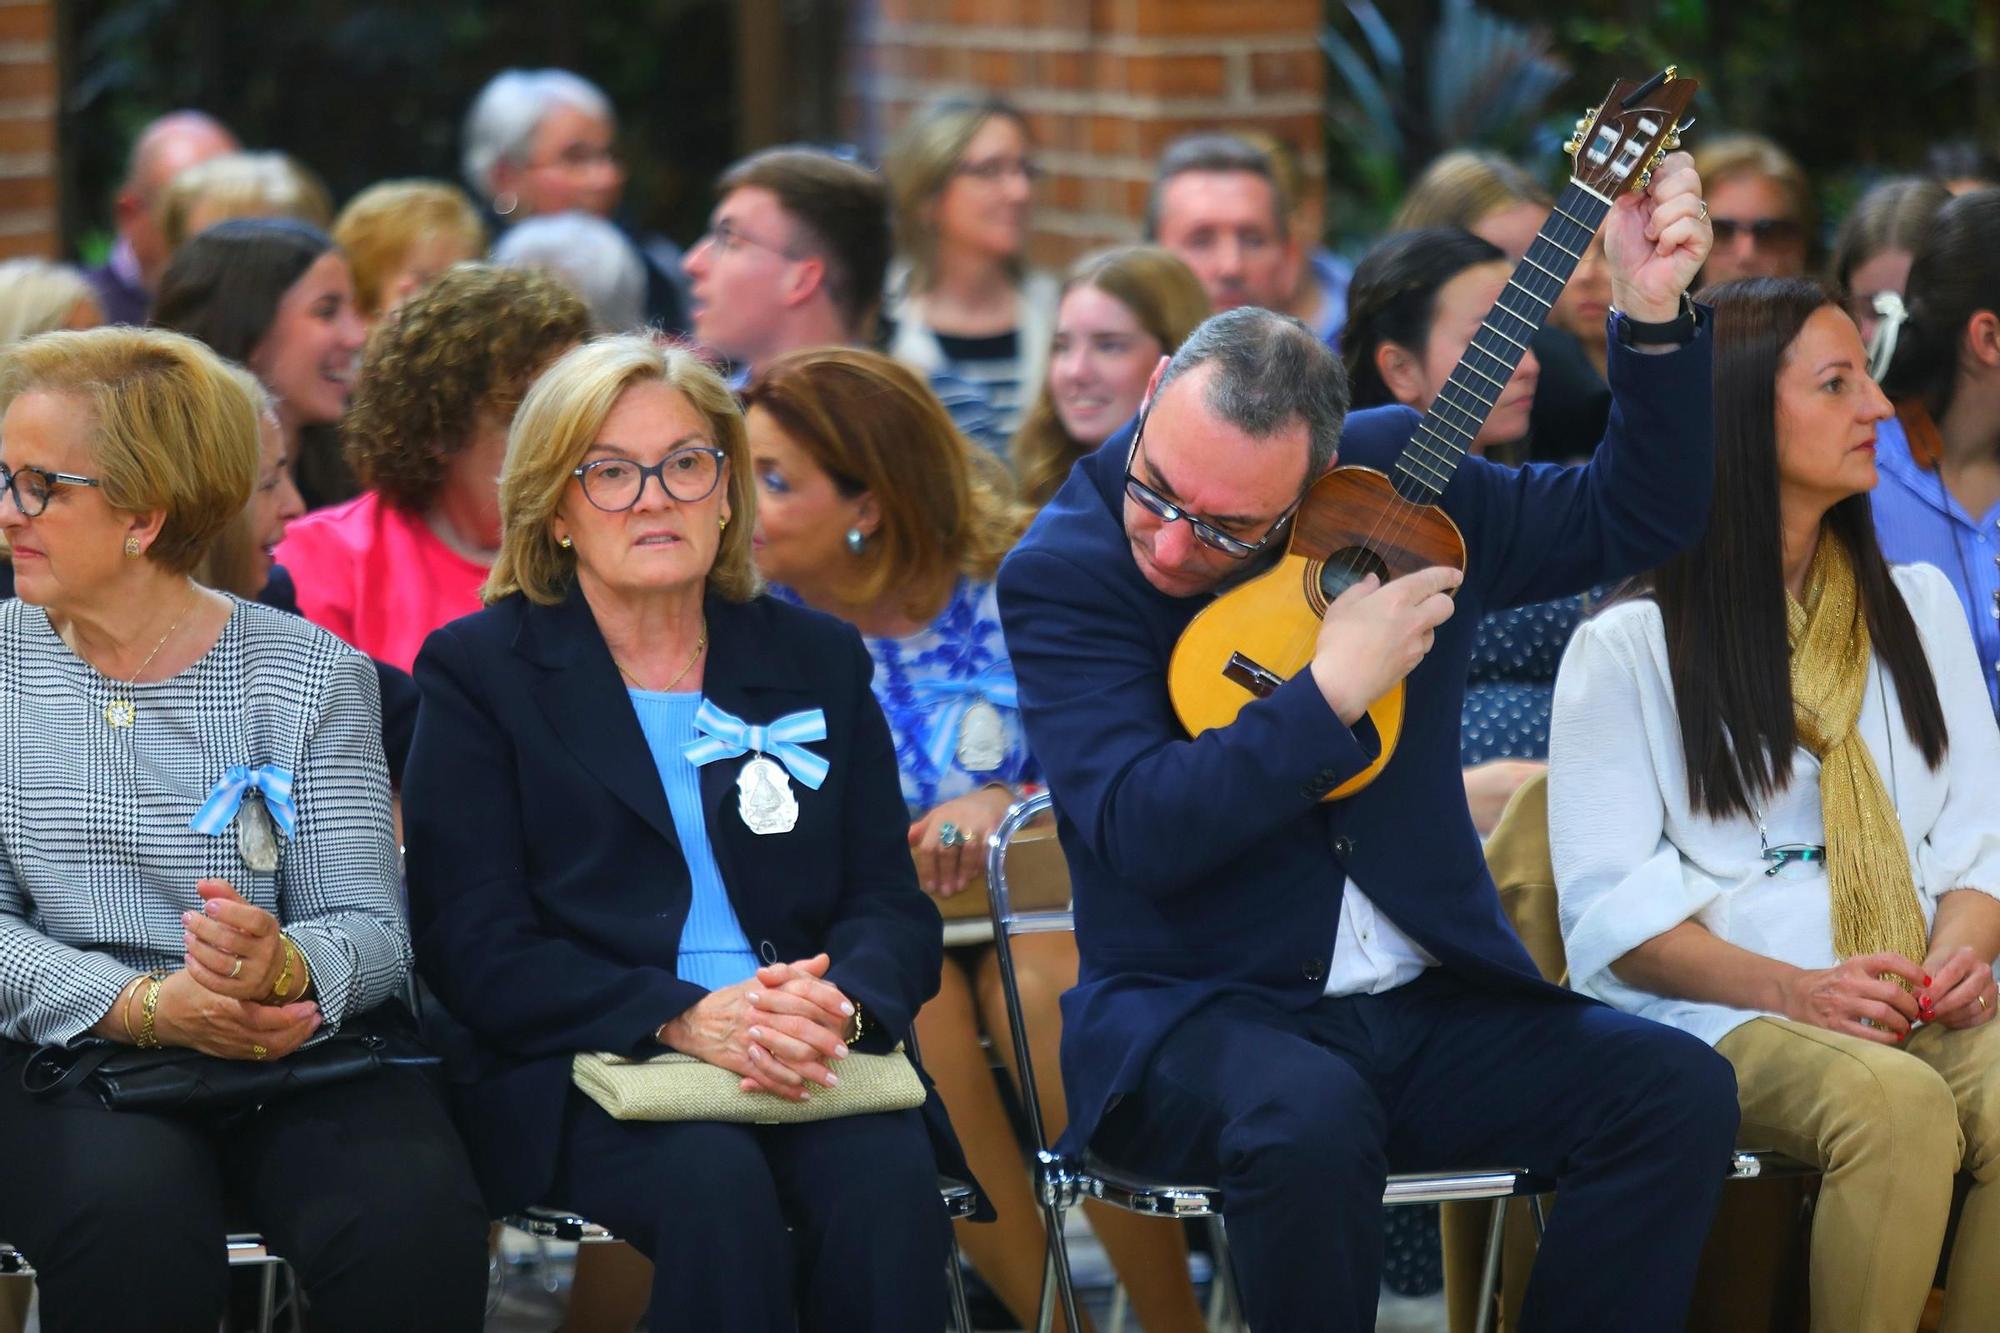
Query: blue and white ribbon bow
{"points": [[728, 736], [995, 685], [273, 783]]}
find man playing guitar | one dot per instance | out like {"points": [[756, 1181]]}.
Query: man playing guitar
{"points": [[1291, 998]]}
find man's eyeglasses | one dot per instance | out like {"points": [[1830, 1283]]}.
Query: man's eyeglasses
{"points": [[1762, 231], [581, 157], [32, 487], [1206, 533], [728, 238], [687, 475]]}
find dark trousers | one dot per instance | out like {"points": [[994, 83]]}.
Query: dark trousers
{"points": [[363, 1186], [1300, 1117], [831, 1226]]}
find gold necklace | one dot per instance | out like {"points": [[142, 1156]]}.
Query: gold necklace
{"points": [[700, 646], [122, 713]]}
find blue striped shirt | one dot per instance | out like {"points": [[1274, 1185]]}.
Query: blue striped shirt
{"points": [[1918, 521], [714, 951]]}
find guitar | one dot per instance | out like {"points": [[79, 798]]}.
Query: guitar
{"points": [[1357, 521]]}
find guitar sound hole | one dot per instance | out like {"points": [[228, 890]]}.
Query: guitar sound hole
{"points": [[1347, 567]]}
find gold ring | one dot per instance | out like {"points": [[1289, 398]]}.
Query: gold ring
{"points": [[1704, 210], [257, 1052], [1981, 999], [236, 969]]}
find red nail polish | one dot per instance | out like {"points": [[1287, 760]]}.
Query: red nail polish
{"points": [[1927, 978]]}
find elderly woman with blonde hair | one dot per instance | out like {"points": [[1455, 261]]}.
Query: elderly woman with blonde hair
{"points": [[689, 838], [196, 861]]}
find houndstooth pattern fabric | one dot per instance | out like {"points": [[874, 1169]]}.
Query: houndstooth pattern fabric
{"points": [[97, 861]]}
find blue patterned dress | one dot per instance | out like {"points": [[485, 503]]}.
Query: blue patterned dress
{"points": [[951, 682]]}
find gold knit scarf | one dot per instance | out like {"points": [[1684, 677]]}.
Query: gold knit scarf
{"points": [[1874, 900]]}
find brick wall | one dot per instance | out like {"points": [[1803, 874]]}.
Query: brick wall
{"points": [[28, 199], [1105, 85]]}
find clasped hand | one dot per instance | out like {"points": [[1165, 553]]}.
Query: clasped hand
{"points": [[206, 1008], [779, 1032], [1952, 987]]}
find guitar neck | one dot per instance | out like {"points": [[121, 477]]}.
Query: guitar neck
{"points": [[1461, 407]]}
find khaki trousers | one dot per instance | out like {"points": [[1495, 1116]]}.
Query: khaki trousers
{"points": [[1889, 1127]]}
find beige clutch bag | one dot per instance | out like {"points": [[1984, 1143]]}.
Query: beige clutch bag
{"points": [[681, 1087]]}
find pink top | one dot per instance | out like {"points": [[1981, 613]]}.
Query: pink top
{"points": [[378, 577]]}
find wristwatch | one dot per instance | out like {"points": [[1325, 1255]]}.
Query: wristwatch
{"points": [[1673, 332]]}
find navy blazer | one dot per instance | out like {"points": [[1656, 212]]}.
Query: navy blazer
{"points": [[547, 884], [1209, 865]]}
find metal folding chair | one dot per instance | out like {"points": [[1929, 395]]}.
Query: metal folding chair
{"points": [[1061, 1183], [959, 1199]]}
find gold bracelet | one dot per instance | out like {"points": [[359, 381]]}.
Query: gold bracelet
{"points": [[148, 1040], [854, 1025], [283, 985], [128, 993]]}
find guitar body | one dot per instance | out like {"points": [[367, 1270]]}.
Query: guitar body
{"points": [[1253, 638]]}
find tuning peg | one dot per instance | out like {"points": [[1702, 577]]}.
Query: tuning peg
{"points": [[1673, 140]]}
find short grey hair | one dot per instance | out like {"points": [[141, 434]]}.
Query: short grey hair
{"points": [[1270, 370], [508, 111], [589, 255], [1210, 151]]}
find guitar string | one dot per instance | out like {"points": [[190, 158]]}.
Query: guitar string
{"points": [[1401, 514]]}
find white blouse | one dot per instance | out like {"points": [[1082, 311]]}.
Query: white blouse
{"points": [[1633, 860]]}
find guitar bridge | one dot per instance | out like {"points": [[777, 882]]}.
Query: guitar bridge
{"points": [[1260, 681]]}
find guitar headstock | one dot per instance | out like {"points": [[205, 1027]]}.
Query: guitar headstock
{"points": [[1617, 144]]}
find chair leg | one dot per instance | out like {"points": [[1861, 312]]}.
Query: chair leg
{"points": [[1225, 1310], [1489, 1270], [954, 1278], [1052, 1218], [267, 1297]]}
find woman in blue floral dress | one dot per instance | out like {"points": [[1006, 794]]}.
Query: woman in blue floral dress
{"points": [[872, 508]]}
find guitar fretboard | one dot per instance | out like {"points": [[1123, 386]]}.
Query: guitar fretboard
{"points": [[1467, 398]]}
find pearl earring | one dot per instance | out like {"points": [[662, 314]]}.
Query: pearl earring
{"points": [[857, 541], [564, 542]]}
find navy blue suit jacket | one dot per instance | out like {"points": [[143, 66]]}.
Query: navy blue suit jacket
{"points": [[1208, 865], [547, 884]]}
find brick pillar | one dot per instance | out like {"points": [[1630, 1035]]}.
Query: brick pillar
{"points": [[28, 84], [1106, 84]]}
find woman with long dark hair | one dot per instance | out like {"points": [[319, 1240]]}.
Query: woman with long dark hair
{"points": [[277, 296], [1939, 501], [1771, 814]]}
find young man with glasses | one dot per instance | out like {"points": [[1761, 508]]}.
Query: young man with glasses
{"points": [[1289, 998], [794, 257]]}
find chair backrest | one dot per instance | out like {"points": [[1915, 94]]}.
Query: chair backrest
{"points": [[1010, 920], [1524, 872]]}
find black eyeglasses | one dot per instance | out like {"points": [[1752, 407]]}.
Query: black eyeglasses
{"points": [[1763, 231], [687, 475], [32, 487], [1207, 534]]}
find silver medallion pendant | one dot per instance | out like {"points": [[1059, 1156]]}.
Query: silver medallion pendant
{"points": [[256, 836], [982, 738], [764, 797]]}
